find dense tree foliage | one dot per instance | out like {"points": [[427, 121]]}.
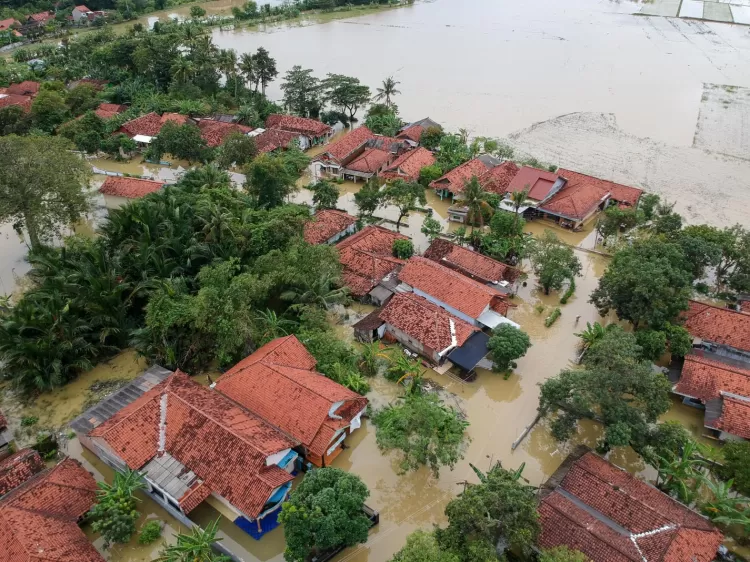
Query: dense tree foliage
{"points": [[506, 344], [615, 386], [42, 186], [425, 431], [498, 513], [324, 512]]}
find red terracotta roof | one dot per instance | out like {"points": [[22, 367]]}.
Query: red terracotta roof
{"points": [[39, 518], [448, 286], [706, 379], [7, 100], [538, 182], [620, 193], [346, 145], [499, 178], [273, 139], [413, 133], [300, 125], [470, 263], [580, 196], [42, 17], [278, 383], [718, 325], [109, 110], [408, 165], [326, 224], [215, 132], [6, 24], [367, 257], [425, 322], [370, 161], [25, 88], [735, 416], [18, 468], [455, 180], [223, 444], [132, 188], [611, 516]]}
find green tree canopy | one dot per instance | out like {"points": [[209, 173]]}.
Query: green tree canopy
{"points": [[554, 262], [345, 93], [323, 513], [427, 432], [614, 386], [501, 509], [42, 186], [506, 344], [648, 282]]}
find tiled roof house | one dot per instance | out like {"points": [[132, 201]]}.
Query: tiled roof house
{"points": [[408, 165], [424, 327], [367, 258], [117, 191], [216, 132], [328, 226], [311, 131], [193, 445], [470, 300], [339, 153], [278, 383], [39, 519], [719, 327], [592, 506], [472, 264], [18, 468]]}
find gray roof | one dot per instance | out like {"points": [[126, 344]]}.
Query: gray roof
{"points": [[101, 412]]}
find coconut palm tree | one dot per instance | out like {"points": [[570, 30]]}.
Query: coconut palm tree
{"points": [[195, 546], [387, 91], [518, 198], [475, 198]]}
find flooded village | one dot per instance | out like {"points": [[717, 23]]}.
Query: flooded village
{"points": [[571, 154]]}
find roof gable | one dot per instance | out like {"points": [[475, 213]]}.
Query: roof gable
{"points": [[450, 287]]}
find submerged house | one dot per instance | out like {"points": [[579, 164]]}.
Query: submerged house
{"points": [[328, 226], [279, 384], [719, 385], [474, 265], [193, 445], [344, 150], [310, 132], [118, 191], [369, 266], [407, 166], [432, 332], [39, 517], [473, 302], [594, 507], [722, 331]]}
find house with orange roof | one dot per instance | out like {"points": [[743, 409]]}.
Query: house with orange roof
{"points": [[193, 445], [328, 226], [369, 266], [407, 166], [474, 265], [592, 506], [39, 518], [317, 412], [341, 152], [310, 132], [473, 302], [432, 332], [118, 191]]}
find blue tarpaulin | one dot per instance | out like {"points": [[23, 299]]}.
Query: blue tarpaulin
{"points": [[470, 353]]}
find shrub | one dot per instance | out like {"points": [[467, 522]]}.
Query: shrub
{"points": [[553, 317], [150, 531]]}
